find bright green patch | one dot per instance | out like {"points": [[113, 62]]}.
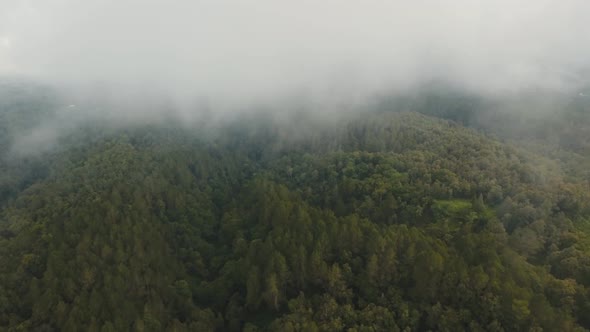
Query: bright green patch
{"points": [[452, 206], [459, 209]]}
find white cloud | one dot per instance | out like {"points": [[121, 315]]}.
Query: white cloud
{"points": [[246, 50]]}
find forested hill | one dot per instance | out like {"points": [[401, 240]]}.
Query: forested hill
{"points": [[388, 221]]}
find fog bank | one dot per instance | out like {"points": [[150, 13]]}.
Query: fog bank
{"points": [[228, 53]]}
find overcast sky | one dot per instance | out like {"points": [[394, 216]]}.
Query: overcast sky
{"points": [[251, 50]]}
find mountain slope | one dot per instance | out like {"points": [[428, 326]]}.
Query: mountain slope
{"points": [[389, 221]]}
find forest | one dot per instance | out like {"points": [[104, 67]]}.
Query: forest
{"points": [[428, 213]]}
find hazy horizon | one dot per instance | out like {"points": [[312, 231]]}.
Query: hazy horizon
{"points": [[231, 53]]}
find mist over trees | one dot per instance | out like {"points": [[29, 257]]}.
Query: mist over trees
{"points": [[265, 165], [380, 221]]}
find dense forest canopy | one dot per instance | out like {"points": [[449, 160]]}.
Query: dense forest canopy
{"points": [[425, 212]]}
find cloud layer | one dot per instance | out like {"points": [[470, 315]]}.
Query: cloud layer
{"points": [[258, 50]]}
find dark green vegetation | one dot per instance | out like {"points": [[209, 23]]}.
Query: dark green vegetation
{"points": [[389, 221]]}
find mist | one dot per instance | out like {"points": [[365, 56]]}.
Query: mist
{"points": [[233, 54]]}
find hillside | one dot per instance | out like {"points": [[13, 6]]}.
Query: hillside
{"points": [[388, 221]]}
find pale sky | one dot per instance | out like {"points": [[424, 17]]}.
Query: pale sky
{"points": [[257, 49]]}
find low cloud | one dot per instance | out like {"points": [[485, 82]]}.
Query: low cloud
{"points": [[228, 53]]}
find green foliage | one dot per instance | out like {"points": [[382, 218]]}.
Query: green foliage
{"points": [[394, 222]]}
